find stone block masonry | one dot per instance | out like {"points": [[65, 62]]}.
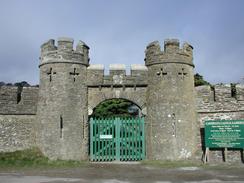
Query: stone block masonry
{"points": [[171, 113], [54, 116], [17, 132], [219, 102], [18, 100], [117, 76]]}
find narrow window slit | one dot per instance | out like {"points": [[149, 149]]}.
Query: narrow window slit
{"points": [[74, 73], [50, 73], [83, 127], [161, 72], [19, 94], [182, 73], [214, 93], [61, 127], [233, 90]]}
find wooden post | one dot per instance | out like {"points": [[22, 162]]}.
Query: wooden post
{"points": [[242, 156], [225, 154], [206, 155]]}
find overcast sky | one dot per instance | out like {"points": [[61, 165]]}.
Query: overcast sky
{"points": [[118, 31]]}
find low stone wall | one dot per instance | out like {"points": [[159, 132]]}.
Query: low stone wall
{"points": [[16, 132]]}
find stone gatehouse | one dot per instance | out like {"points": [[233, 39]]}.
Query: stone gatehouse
{"points": [[55, 115]]}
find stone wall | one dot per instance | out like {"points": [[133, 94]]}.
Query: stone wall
{"points": [[220, 102], [117, 75], [117, 84], [55, 116], [16, 132], [18, 100], [18, 105]]}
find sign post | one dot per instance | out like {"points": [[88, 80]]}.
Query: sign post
{"points": [[223, 134]]}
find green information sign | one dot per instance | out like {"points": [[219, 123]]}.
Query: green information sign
{"points": [[223, 133]]}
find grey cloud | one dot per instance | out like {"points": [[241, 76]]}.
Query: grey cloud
{"points": [[119, 32]]}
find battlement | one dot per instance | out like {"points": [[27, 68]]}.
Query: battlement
{"points": [[172, 53], [18, 100], [220, 98], [64, 52], [117, 75]]}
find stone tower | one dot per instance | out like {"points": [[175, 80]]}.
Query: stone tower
{"points": [[62, 105], [171, 132]]}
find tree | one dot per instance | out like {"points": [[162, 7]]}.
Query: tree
{"points": [[19, 84], [198, 80], [115, 108], [2, 83], [22, 84]]}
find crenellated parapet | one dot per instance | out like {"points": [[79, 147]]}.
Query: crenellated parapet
{"points": [[64, 52], [117, 75], [172, 53], [220, 98], [18, 100]]}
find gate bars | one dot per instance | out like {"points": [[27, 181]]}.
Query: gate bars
{"points": [[120, 139]]}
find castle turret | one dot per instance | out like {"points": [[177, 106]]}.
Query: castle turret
{"points": [[171, 112], [62, 105]]}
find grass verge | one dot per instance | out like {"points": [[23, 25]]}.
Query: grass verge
{"points": [[33, 158]]}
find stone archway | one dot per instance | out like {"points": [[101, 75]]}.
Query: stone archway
{"points": [[132, 107], [142, 109], [120, 137], [97, 95], [135, 94]]}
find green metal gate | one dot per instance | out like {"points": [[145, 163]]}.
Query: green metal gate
{"points": [[120, 139]]}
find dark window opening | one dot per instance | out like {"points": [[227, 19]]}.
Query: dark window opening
{"points": [[61, 127], [19, 94], [214, 95], [233, 90]]}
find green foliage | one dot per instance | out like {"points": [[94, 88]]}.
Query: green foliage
{"points": [[22, 84], [32, 158], [199, 81], [19, 84], [115, 108]]}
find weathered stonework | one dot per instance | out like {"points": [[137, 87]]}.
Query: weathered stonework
{"points": [[62, 103], [54, 116], [170, 101], [17, 132]]}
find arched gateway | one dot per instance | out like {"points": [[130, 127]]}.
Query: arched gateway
{"points": [[70, 88], [120, 139], [117, 134]]}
